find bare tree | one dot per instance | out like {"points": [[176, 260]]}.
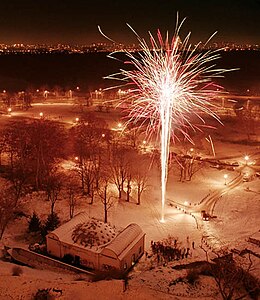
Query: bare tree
{"points": [[132, 135], [227, 276], [188, 166], [24, 99], [19, 178], [34, 147], [140, 175], [58, 92], [128, 185], [7, 206], [232, 277], [71, 186], [90, 137], [194, 166], [52, 187], [247, 113], [48, 139], [104, 193], [89, 175], [120, 166], [16, 144], [2, 146]]}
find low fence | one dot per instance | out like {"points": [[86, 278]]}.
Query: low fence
{"points": [[40, 261]]}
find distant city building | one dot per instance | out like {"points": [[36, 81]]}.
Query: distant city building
{"points": [[104, 47]]}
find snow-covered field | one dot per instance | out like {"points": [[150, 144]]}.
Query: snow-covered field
{"points": [[237, 219]]}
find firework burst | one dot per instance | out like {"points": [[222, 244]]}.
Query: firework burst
{"points": [[170, 80]]}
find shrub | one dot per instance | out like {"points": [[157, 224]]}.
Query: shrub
{"points": [[52, 222], [44, 232], [251, 285], [43, 294], [34, 223], [17, 271], [206, 270], [192, 276]]}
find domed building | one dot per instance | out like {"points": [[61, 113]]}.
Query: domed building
{"points": [[97, 245]]}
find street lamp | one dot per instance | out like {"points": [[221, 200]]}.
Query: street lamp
{"points": [[77, 119], [225, 177], [246, 159], [45, 94], [41, 114]]}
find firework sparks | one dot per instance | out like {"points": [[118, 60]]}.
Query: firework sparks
{"points": [[170, 81]]}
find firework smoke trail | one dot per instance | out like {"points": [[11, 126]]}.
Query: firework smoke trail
{"points": [[170, 80]]}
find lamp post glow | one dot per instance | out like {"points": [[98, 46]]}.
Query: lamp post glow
{"points": [[225, 177], [246, 159]]}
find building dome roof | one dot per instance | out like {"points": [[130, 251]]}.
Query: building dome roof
{"points": [[93, 233]]}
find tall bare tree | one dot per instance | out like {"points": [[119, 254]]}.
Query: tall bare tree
{"points": [[71, 186], [90, 137], [247, 114], [120, 167], [104, 193], [52, 186], [34, 147], [8, 204], [232, 276], [187, 165], [141, 175], [48, 140], [18, 149]]}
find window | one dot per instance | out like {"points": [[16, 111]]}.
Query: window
{"points": [[125, 266], [77, 260], [133, 259], [107, 267]]}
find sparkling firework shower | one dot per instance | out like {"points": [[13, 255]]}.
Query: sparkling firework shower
{"points": [[170, 81]]}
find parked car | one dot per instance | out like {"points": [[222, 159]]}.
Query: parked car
{"points": [[247, 177], [205, 216]]}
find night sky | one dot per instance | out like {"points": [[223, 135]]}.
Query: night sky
{"points": [[76, 21]]}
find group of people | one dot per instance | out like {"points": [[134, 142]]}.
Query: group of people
{"points": [[165, 252]]}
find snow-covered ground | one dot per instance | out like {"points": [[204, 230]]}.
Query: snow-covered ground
{"points": [[237, 213], [237, 219]]}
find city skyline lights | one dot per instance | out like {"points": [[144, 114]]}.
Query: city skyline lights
{"points": [[39, 22]]}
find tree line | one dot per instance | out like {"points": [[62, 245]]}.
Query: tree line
{"points": [[99, 162]]}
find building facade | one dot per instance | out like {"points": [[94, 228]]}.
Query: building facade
{"points": [[93, 244]]}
